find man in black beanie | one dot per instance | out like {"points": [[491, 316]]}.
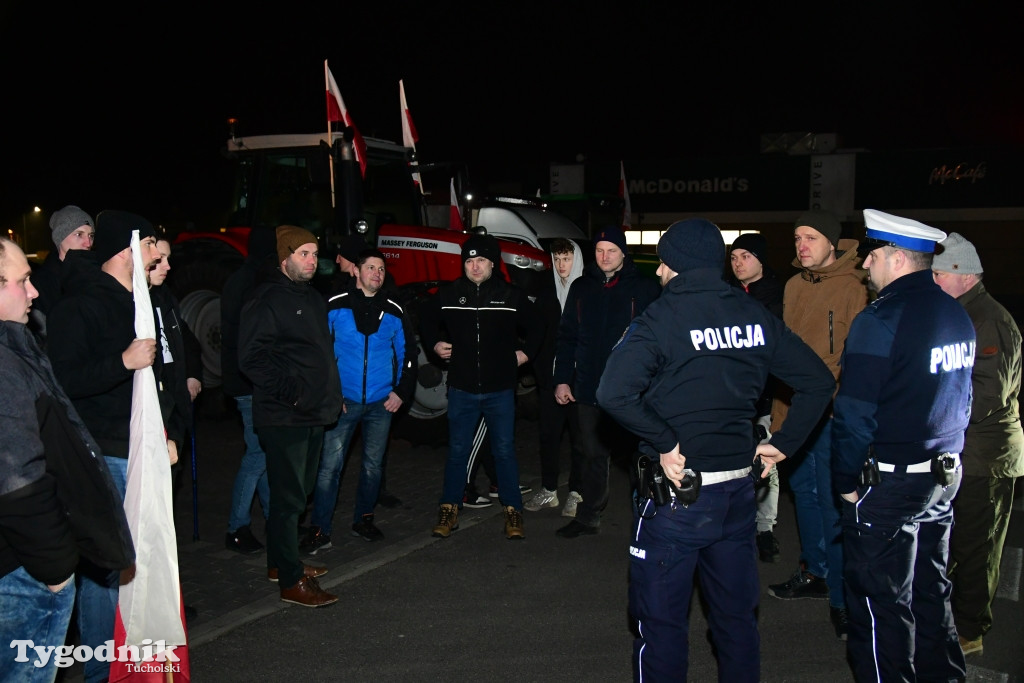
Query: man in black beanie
{"points": [[758, 280], [475, 323], [601, 303], [685, 378], [95, 354]]}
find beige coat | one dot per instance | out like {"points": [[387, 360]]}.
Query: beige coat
{"points": [[819, 306]]}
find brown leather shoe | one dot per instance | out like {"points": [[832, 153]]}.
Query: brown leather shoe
{"points": [[307, 570], [308, 593]]}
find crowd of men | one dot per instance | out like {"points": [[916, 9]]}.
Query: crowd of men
{"points": [[882, 377]]}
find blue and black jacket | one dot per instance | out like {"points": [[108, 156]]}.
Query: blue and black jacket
{"points": [[374, 345], [906, 379]]}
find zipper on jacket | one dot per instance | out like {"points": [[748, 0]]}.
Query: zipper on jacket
{"points": [[831, 338]]}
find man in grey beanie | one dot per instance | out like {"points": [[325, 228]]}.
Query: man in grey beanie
{"points": [[993, 455], [70, 228]]}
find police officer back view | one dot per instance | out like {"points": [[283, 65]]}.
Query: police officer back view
{"points": [[685, 378], [903, 405]]}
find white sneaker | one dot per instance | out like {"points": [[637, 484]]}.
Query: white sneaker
{"points": [[571, 502], [542, 499]]}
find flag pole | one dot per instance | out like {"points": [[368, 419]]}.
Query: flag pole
{"points": [[330, 142]]}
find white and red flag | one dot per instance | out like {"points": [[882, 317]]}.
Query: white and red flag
{"points": [[455, 215], [409, 136], [150, 609], [336, 112], [627, 217]]}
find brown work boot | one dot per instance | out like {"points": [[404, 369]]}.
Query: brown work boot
{"points": [[971, 647], [308, 593], [513, 524], [307, 570], [447, 520]]}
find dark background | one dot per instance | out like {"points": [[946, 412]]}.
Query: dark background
{"points": [[128, 108]]}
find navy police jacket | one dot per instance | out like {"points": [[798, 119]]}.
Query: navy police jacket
{"points": [[905, 386], [374, 345], [690, 369]]}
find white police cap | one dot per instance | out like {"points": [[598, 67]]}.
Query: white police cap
{"points": [[884, 229]]}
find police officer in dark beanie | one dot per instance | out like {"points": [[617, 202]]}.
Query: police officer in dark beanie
{"points": [[902, 408], [284, 348], [686, 378]]}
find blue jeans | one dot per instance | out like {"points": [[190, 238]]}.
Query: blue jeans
{"points": [[31, 611], [498, 409], [252, 472], [817, 512], [376, 423], [97, 592]]}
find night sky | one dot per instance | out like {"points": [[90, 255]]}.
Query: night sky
{"points": [[110, 110]]}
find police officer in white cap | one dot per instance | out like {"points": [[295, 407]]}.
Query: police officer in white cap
{"points": [[903, 404]]}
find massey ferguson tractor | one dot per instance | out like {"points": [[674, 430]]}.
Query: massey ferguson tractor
{"points": [[304, 180]]}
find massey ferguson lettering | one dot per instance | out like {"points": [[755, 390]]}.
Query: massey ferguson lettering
{"points": [[689, 186], [408, 244]]}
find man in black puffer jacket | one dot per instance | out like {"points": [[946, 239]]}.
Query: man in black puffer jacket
{"points": [[601, 304], [474, 323]]}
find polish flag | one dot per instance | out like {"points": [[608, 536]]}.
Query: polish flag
{"points": [[336, 112], [454, 215], [410, 136], [150, 608], [627, 217]]}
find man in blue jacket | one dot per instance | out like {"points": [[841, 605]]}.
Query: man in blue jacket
{"points": [[600, 306], [375, 349], [686, 379]]}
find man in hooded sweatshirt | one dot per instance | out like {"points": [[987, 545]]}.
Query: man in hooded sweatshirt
{"points": [[567, 260]]}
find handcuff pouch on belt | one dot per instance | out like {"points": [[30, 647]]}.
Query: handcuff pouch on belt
{"points": [[869, 474], [944, 469], [652, 484]]}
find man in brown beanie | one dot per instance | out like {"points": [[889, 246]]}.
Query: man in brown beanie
{"points": [[284, 348], [993, 455], [819, 304]]}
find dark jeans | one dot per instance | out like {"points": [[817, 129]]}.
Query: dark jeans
{"points": [[553, 418], [293, 455], [598, 435]]}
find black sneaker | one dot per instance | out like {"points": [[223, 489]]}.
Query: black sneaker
{"points": [[523, 488], [800, 586], [840, 621], [314, 541], [386, 499], [366, 530], [767, 546], [472, 499], [241, 540]]}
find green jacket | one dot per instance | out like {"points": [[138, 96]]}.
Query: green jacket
{"points": [[994, 446]]}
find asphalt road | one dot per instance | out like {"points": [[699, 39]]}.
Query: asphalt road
{"points": [[476, 606]]}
